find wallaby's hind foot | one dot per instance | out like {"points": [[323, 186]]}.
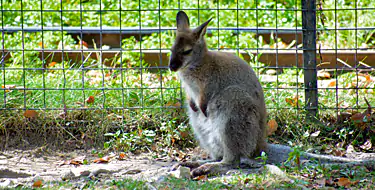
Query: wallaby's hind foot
{"points": [[213, 168], [190, 164]]}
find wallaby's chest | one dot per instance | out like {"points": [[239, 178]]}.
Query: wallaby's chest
{"points": [[191, 87]]}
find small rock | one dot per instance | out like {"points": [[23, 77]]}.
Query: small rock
{"points": [[181, 173], [271, 72], [79, 172], [108, 181], [276, 171], [68, 176], [150, 186], [3, 162], [6, 183]]}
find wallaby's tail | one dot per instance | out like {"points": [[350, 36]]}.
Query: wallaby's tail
{"points": [[280, 153]]}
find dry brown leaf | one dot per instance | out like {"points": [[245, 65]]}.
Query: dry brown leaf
{"points": [[332, 84], [201, 178], [292, 101], [368, 78], [122, 156], [78, 161], [330, 182], [178, 104], [323, 75], [344, 182], [51, 64], [8, 87], [30, 114], [184, 134], [357, 118], [38, 183], [83, 43], [272, 127], [90, 99], [104, 159], [140, 132], [154, 147], [338, 152], [321, 182]]}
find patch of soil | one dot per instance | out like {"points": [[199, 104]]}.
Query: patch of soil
{"points": [[23, 168]]}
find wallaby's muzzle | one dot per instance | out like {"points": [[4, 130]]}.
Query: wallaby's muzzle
{"points": [[175, 62]]}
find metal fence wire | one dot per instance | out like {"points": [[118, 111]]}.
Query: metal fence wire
{"points": [[108, 59]]}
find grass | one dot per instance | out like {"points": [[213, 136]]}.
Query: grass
{"points": [[308, 176]]}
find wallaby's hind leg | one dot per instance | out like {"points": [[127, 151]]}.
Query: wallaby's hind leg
{"points": [[240, 137]]}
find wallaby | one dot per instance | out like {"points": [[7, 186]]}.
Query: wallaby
{"points": [[226, 103]]}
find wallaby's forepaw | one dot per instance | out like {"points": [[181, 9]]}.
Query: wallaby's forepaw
{"points": [[193, 106], [203, 108]]}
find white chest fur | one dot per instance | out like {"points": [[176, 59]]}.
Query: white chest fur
{"points": [[191, 87]]}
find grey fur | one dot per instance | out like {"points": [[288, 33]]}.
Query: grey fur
{"points": [[226, 103]]}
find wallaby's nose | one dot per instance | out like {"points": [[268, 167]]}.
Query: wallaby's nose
{"points": [[174, 63], [173, 67]]}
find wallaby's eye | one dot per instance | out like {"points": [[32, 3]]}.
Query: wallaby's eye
{"points": [[187, 52]]}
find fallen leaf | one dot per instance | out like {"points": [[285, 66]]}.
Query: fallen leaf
{"points": [[122, 156], [330, 181], [154, 147], [368, 78], [140, 132], [367, 145], [83, 43], [77, 161], [272, 127], [30, 114], [104, 159], [343, 182], [323, 75], [357, 118], [292, 101], [321, 182], [338, 152], [8, 87], [38, 183], [184, 134], [332, 83], [51, 64], [201, 178], [90, 99]]}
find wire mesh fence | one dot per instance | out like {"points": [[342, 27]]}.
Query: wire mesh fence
{"points": [[104, 62]]}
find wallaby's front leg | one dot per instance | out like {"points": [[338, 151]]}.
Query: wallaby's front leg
{"points": [[193, 106]]}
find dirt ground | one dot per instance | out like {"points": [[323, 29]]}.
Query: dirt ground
{"points": [[23, 168]]}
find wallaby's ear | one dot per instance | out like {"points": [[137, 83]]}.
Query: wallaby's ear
{"points": [[200, 31], [182, 21]]}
